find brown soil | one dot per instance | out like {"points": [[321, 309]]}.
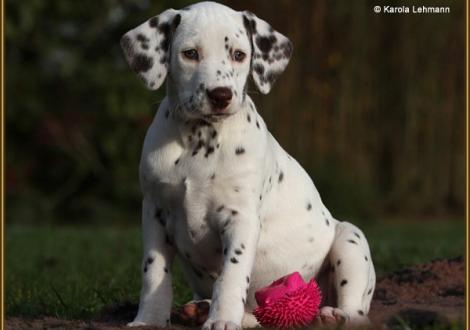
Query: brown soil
{"points": [[423, 296]]}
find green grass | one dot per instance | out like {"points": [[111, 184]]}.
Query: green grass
{"points": [[72, 272], [397, 244]]}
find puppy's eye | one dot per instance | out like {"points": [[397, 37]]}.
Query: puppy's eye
{"points": [[191, 54], [238, 56]]}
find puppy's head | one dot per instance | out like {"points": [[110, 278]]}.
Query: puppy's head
{"points": [[206, 52]]}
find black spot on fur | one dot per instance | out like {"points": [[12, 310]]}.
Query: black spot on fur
{"points": [[250, 25], [167, 29], [259, 69], [168, 240], [257, 124], [272, 76], [309, 207], [357, 235], [141, 63], [177, 161], [225, 251], [176, 22], [265, 43], [327, 222], [343, 283], [239, 150], [369, 292], [126, 44], [226, 223], [234, 260], [153, 22], [159, 216], [165, 270], [287, 49], [247, 279], [140, 37], [220, 208], [237, 251], [248, 118], [338, 262], [234, 212], [209, 151], [149, 260], [243, 246], [352, 241], [365, 257], [360, 312], [281, 177]]}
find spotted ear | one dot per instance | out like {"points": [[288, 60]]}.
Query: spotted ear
{"points": [[271, 51], [147, 47]]}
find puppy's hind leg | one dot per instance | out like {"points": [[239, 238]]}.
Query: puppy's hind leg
{"points": [[352, 277]]}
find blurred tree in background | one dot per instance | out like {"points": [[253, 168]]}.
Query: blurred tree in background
{"points": [[371, 105]]}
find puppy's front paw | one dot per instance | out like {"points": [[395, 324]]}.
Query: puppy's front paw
{"points": [[330, 316], [146, 323], [136, 324], [220, 325]]}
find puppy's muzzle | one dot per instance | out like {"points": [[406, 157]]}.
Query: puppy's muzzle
{"points": [[219, 98]]}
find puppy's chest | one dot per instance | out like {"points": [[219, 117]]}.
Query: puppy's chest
{"points": [[183, 180], [191, 176]]}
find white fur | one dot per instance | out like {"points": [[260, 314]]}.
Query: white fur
{"points": [[223, 184]]}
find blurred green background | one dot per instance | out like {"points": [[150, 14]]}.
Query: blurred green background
{"points": [[371, 105]]}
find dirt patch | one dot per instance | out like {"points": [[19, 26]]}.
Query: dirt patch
{"points": [[422, 296]]}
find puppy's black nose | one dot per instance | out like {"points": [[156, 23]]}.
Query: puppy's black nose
{"points": [[219, 97]]}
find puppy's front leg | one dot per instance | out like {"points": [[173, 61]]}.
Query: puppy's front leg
{"points": [[239, 234], [156, 295]]}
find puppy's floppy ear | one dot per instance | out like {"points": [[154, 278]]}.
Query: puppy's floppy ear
{"points": [[147, 47], [271, 51]]}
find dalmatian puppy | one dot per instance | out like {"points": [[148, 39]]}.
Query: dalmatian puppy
{"points": [[219, 192]]}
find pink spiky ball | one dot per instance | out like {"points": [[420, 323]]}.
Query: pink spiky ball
{"points": [[288, 302]]}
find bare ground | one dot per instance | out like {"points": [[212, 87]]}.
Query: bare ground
{"points": [[422, 296]]}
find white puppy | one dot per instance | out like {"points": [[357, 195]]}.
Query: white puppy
{"points": [[219, 191]]}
